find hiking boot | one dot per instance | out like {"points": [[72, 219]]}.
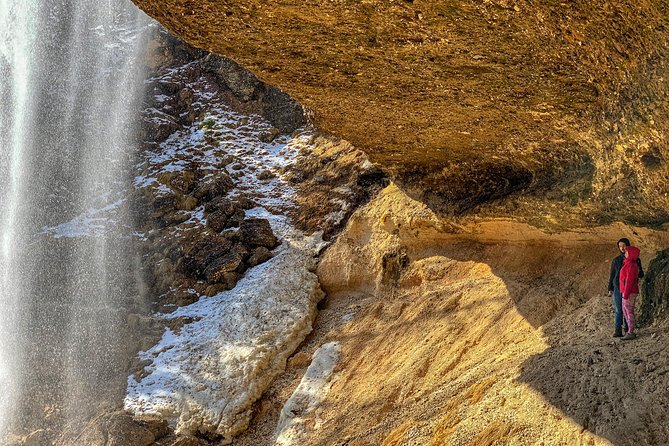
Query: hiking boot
{"points": [[618, 333], [628, 337]]}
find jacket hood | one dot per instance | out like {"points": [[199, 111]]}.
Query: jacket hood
{"points": [[633, 253]]}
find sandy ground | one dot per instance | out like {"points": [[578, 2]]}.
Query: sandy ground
{"points": [[492, 333]]}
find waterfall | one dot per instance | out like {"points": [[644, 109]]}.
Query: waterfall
{"points": [[70, 86]]}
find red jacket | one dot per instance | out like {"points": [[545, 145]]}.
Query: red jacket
{"points": [[629, 273]]}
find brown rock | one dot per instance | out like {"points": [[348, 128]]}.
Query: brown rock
{"points": [[217, 221], [222, 204], [214, 289], [181, 181], [164, 202], [213, 187], [246, 203], [178, 297], [236, 219], [266, 175], [173, 218], [186, 203], [182, 441], [260, 255], [111, 429], [155, 424], [461, 88], [203, 253], [269, 135], [231, 279], [257, 232], [225, 264], [232, 235]]}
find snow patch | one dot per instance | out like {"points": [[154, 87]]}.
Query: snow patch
{"points": [[207, 377], [293, 426]]}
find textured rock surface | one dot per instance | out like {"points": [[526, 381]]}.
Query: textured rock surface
{"points": [[467, 102]]}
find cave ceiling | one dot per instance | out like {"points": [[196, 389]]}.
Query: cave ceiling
{"points": [[497, 106]]}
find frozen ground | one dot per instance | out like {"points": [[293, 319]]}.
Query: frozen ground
{"points": [[206, 376]]}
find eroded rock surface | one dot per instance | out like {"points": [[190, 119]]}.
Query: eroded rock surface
{"points": [[558, 105]]}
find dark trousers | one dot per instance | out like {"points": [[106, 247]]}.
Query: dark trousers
{"points": [[618, 308]]}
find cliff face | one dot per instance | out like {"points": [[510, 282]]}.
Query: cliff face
{"points": [[467, 103]]}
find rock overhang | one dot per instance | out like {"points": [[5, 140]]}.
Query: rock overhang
{"points": [[467, 103]]}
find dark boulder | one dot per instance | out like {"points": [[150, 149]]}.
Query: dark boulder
{"points": [[203, 253], [217, 221], [228, 263], [257, 232], [213, 187], [259, 255]]}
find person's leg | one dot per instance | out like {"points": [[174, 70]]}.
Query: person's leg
{"points": [[628, 310], [629, 306], [617, 312]]}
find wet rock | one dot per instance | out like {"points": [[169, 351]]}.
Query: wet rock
{"points": [[260, 255], [225, 264], [213, 187], [236, 219], [158, 126], [38, 438], [258, 232], [164, 202], [203, 253]]}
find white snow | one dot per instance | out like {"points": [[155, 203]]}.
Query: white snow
{"points": [[293, 427]]}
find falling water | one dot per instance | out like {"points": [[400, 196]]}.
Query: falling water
{"points": [[70, 83]]}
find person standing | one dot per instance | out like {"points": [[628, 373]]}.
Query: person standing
{"points": [[629, 288], [614, 286]]}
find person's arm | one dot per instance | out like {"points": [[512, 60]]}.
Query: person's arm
{"points": [[612, 275], [638, 263], [623, 282]]}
